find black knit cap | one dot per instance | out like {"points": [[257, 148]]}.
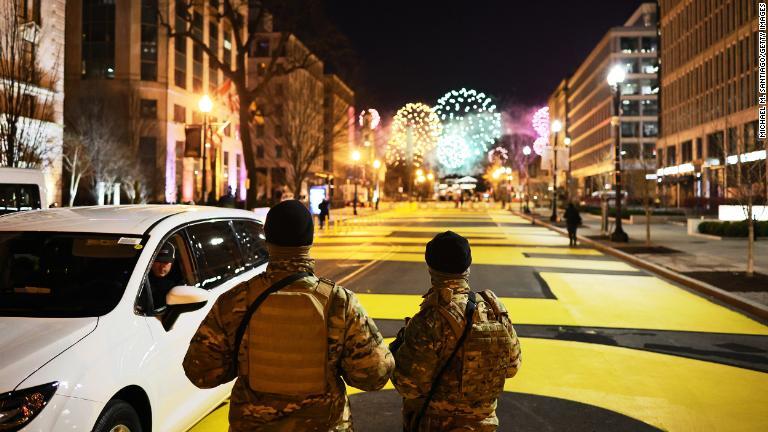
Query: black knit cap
{"points": [[289, 224], [448, 252]]}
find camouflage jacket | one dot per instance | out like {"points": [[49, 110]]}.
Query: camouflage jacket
{"points": [[356, 353], [428, 342]]}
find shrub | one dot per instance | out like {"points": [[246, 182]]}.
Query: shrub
{"points": [[733, 229]]}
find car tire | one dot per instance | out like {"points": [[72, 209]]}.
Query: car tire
{"points": [[118, 416]]}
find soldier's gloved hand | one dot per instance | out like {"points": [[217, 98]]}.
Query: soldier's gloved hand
{"points": [[395, 345]]}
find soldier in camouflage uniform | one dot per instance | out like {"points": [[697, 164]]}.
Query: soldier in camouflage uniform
{"points": [[355, 348], [466, 394]]}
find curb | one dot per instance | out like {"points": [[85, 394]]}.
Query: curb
{"points": [[745, 305], [706, 236]]}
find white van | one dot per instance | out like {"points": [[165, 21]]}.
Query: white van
{"points": [[84, 343], [21, 189]]}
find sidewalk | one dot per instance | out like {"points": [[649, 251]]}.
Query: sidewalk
{"points": [[717, 262]]}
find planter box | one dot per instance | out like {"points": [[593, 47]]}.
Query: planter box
{"points": [[655, 219]]}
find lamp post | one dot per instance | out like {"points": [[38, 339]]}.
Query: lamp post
{"points": [[205, 105], [616, 76], [567, 142], [376, 167], [355, 160], [556, 128], [527, 152]]}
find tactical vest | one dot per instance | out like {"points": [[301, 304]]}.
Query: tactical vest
{"points": [[486, 355], [287, 350]]}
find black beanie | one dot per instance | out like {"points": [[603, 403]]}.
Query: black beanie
{"points": [[289, 224], [448, 252]]}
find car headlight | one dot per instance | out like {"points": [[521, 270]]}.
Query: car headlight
{"points": [[18, 408]]}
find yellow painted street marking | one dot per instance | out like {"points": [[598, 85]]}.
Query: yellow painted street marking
{"points": [[585, 307], [669, 392]]}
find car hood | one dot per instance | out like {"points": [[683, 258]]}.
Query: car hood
{"points": [[26, 344]]}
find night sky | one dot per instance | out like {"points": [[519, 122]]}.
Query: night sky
{"points": [[515, 50]]}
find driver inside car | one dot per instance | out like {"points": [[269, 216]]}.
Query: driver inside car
{"points": [[161, 276]]}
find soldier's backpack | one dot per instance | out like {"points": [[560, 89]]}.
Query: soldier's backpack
{"points": [[486, 349], [287, 350]]}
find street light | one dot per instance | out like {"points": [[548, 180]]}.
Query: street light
{"points": [[355, 160], [567, 142], [526, 153], [376, 166], [616, 76], [556, 127], [205, 105]]}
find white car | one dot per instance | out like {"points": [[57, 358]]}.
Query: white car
{"points": [[82, 346]]}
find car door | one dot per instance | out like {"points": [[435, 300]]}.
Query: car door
{"points": [[214, 253]]}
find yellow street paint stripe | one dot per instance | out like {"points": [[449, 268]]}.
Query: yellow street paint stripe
{"points": [[479, 256], [691, 313], [669, 392], [371, 244]]}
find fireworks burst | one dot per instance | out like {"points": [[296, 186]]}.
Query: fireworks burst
{"points": [[415, 131], [474, 113]]}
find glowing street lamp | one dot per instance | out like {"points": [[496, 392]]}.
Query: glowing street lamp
{"points": [[615, 77], [355, 159], [430, 176], [205, 105], [556, 127]]}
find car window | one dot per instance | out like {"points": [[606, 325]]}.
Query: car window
{"points": [[253, 244], [216, 251], [50, 274], [19, 197]]}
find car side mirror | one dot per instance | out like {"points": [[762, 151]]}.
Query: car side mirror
{"points": [[181, 299], [186, 295]]}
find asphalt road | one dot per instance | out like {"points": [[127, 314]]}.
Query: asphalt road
{"points": [[606, 346]]}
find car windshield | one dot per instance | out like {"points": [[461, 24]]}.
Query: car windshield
{"points": [[53, 274]]}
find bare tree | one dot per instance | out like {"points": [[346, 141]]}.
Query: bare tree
{"points": [[138, 181], [644, 188], [134, 183], [606, 159], [747, 177], [94, 149], [301, 118], [77, 162], [26, 91], [251, 21]]}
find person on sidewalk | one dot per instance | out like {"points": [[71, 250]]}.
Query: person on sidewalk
{"points": [[324, 214], [573, 221], [453, 357], [290, 339]]}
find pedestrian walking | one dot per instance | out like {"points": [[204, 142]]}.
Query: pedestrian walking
{"points": [[572, 220], [324, 214], [288, 337], [453, 356]]}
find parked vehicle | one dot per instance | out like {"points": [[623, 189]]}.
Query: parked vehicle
{"points": [[83, 346], [21, 189]]}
